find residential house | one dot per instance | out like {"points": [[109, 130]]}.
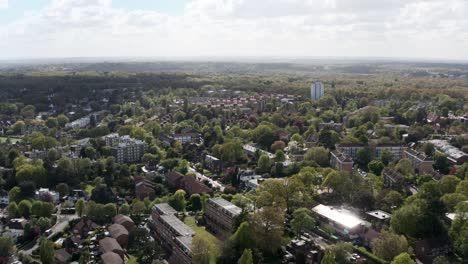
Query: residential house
{"points": [[220, 216], [4, 197], [191, 185], [83, 227], [144, 188], [111, 258], [119, 233], [213, 163], [125, 221], [62, 256], [16, 228], [110, 244]]}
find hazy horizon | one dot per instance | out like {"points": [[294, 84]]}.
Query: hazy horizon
{"points": [[415, 29]]}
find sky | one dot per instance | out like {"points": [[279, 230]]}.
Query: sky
{"points": [[424, 29]]}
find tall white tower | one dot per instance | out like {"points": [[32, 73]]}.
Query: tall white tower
{"points": [[317, 90]]}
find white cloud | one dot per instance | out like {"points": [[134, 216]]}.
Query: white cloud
{"points": [[402, 28], [3, 4]]}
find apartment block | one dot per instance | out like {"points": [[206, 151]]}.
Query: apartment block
{"points": [[340, 161], [419, 160], [396, 149], [220, 216], [174, 236], [349, 150], [125, 148]]}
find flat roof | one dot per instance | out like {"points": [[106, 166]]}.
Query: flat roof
{"points": [[379, 214], [232, 208], [165, 209], [180, 228], [338, 215]]}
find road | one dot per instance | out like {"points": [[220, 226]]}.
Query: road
{"points": [[60, 225], [201, 177]]}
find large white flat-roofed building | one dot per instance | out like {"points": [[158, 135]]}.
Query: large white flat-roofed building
{"points": [[343, 221], [317, 90]]}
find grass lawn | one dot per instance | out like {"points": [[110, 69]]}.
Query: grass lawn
{"points": [[200, 231], [89, 189], [12, 140]]}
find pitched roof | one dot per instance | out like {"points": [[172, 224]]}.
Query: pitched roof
{"points": [[109, 244], [117, 230], [121, 219], [111, 258], [62, 256]]}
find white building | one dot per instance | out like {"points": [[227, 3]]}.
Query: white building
{"points": [[317, 90]]}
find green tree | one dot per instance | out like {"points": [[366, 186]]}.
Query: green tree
{"points": [[319, 155], [278, 145], [404, 167], [448, 184], [246, 257], [280, 156], [441, 162], [51, 122], [451, 200], [14, 194], [80, 207], [264, 135], [462, 187], [386, 156], [195, 202], [7, 247], [124, 209], [328, 138], [242, 238], [268, 226], [302, 221], [403, 258], [62, 189], [459, 230], [328, 258], [46, 251], [177, 200], [24, 208], [109, 210], [36, 208], [388, 245], [376, 167], [263, 165], [13, 210], [462, 171], [363, 157], [62, 120], [201, 250], [138, 207]]}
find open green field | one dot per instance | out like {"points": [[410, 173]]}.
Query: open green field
{"points": [[12, 140], [215, 243]]}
